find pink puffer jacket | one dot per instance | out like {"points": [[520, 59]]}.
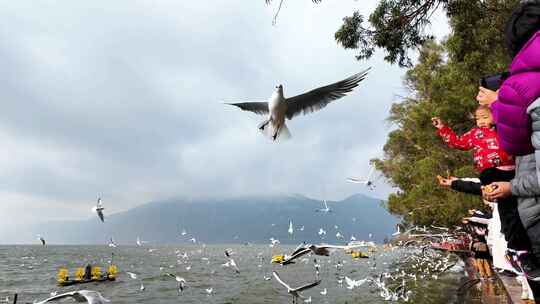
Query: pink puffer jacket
{"points": [[515, 95]]}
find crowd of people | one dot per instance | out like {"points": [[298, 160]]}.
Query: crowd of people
{"points": [[506, 154]]}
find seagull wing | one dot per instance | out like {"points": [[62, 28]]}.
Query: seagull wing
{"points": [[350, 281], [325, 205], [295, 255], [276, 275], [300, 248], [91, 297], [260, 108], [370, 173], [308, 286], [317, 99], [355, 180], [58, 297], [100, 214], [132, 275]]}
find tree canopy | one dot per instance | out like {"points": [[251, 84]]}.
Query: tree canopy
{"points": [[444, 83]]}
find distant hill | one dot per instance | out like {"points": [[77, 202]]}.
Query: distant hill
{"points": [[231, 220]]}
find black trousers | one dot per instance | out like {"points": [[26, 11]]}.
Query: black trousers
{"points": [[511, 225]]}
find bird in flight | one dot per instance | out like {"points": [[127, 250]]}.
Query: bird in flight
{"points": [[368, 182], [295, 292], [41, 239], [325, 209], [291, 229], [98, 208], [277, 108], [84, 296]]}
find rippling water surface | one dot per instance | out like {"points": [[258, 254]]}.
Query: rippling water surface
{"points": [[31, 271]]}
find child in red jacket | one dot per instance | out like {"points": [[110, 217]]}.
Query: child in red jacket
{"points": [[482, 139]]}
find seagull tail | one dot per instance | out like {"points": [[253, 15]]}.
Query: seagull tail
{"points": [[284, 132], [268, 128]]}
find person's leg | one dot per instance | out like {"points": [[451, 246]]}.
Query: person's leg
{"points": [[535, 288], [487, 267], [480, 267]]}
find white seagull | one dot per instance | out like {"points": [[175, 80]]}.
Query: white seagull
{"points": [[398, 232], [274, 242], [181, 282], [140, 242], [84, 296], [41, 239], [291, 229], [325, 209], [132, 275], [98, 208], [295, 292], [278, 107], [112, 244], [368, 182], [354, 283], [231, 262]]}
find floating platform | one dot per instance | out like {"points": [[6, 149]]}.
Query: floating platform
{"points": [[82, 277]]}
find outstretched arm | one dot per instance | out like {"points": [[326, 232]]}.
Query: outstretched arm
{"points": [[463, 142]]}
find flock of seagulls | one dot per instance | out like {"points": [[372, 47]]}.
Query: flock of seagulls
{"points": [[391, 285]]}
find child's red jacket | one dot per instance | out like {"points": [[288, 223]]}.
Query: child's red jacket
{"points": [[483, 141]]}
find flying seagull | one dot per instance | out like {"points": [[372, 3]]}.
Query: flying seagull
{"points": [[181, 282], [277, 108], [231, 262], [325, 209], [84, 296], [368, 182], [295, 292], [291, 229], [41, 239], [99, 209]]}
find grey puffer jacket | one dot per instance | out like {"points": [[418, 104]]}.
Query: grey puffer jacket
{"points": [[526, 185]]}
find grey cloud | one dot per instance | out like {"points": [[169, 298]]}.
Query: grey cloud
{"points": [[123, 99]]}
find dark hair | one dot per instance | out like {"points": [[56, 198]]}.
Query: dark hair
{"points": [[521, 26], [483, 108]]}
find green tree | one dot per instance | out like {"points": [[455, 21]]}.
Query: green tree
{"points": [[443, 83]]}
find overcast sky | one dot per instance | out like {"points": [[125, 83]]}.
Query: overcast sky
{"points": [[123, 100]]}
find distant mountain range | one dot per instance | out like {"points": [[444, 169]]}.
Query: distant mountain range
{"points": [[231, 220]]}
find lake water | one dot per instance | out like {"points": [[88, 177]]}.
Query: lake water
{"points": [[31, 272]]}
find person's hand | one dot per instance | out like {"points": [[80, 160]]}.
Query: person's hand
{"points": [[445, 182], [486, 96], [496, 190], [436, 121], [471, 211]]}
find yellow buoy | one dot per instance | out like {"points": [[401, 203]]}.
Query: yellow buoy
{"points": [[358, 254], [96, 273], [79, 274], [278, 258], [62, 275], [112, 271]]}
